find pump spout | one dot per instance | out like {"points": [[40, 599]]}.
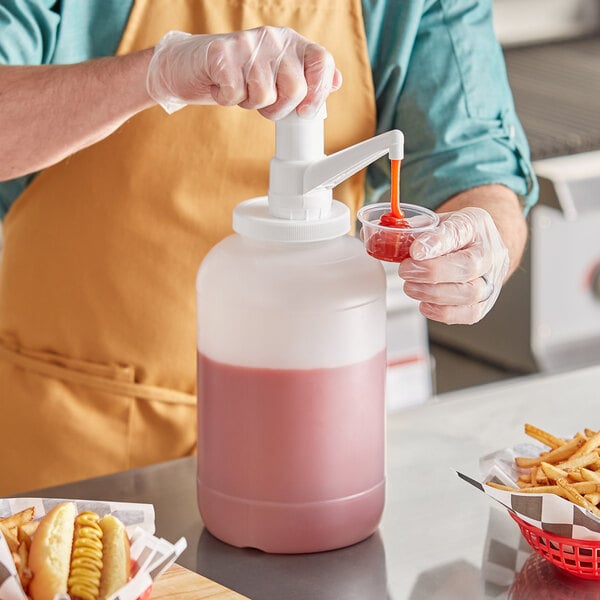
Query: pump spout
{"points": [[335, 168], [302, 175]]}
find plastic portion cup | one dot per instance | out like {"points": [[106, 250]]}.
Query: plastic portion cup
{"points": [[393, 243]]}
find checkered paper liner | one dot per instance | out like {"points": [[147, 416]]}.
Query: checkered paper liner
{"points": [[548, 512], [151, 555]]}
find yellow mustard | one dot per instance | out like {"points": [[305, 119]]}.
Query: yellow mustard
{"points": [[86, 557]]}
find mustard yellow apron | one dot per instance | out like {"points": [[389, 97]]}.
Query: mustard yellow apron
{"points": [[97, 300]]}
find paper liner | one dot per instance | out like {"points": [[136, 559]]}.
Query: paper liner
{"points": [[548, 512], [151, 555]]}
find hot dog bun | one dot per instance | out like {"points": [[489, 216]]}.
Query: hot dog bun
{"points": [[116, 570], [50, 553], [78, 554]]}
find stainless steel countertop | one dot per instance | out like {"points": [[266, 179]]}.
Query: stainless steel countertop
{"points": [[436, 530]]}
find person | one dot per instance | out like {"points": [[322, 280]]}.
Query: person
{"points": [[112, 192]]}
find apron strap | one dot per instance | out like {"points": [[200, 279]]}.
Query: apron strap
{"points": [[44, 367]]}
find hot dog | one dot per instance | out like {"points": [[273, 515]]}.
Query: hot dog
{"points": [[82, 555]]}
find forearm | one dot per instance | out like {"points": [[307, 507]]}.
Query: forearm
{"points": [[505, 209], [51, 111]]}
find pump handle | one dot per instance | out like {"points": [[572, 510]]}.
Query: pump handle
{"points": [[335, 168]]}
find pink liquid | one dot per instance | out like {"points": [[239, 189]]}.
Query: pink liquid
{"points": [[291, 461]]}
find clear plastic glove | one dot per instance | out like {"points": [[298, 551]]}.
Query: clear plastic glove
{"points": [[273, 69], [456, 271]]}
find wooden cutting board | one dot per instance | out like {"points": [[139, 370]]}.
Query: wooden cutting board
{"points": [[178, 582]]}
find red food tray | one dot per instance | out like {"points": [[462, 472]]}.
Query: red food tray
{"points": [[578, 557]]}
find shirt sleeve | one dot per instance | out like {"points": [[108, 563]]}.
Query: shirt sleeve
{"points": [[28, 31], [440, 77]]}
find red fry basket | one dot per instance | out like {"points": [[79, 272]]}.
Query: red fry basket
{"points": [[539, 578], [578, 557], [146, 595]]}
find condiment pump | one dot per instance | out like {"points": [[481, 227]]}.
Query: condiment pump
{"points": [[292, 359]]}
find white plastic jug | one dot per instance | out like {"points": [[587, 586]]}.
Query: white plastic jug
{"points": [[292, 359]]}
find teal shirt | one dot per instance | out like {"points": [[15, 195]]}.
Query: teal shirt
{"points": [[438, 73]]}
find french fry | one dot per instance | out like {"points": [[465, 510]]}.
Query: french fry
{"points": [[592, 444], [555, 456], [543, 436], [17, 559], [23, 537], [29, 528], [534, 475], [574, 475], [18, 519], [552, 473], [10, 537], [524, 484], [574, 496], [583, 487], [593, 498], [589, 475], [583, 460], [23, 570], [501, 486]]}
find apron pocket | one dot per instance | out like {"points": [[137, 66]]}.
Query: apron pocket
{"points": [[64, 419]]}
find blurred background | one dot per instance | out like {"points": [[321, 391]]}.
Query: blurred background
{"points": [[548, 315]]}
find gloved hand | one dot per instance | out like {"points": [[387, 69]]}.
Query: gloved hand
{"points": [[457, 270], [273, 69]]}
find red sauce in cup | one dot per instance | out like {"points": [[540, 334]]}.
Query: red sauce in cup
{"points": [[392, 246]]}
